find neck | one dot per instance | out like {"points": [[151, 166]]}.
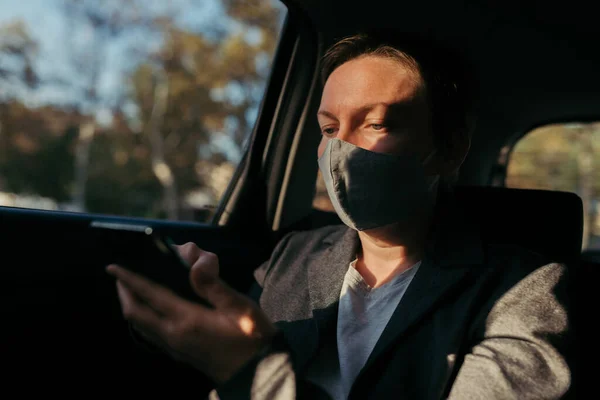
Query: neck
{"points": [[390, 250]]}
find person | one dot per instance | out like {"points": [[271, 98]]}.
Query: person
{"points": [[405, 299]]}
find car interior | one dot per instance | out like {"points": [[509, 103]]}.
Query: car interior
{"points": [[535, 64]]}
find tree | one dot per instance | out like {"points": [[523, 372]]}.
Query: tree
{"points": [[159, 144], [172, 104], [194, 86], [36, 149], [17, 51], [101, 22]]}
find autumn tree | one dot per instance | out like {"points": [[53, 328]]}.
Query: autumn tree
{"points": [[195, 87], [93, 26], [36, 154], [159, 142], [17, 51]]}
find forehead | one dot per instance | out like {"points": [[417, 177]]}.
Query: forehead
{"points": [[369, 80]]}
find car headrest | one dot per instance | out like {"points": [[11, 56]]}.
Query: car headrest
{"points": [[544, 221]]}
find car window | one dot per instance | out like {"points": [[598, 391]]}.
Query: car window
{"points": [[563, 157], [129, 107]]}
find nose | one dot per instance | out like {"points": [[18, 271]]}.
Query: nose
{"points": [[344, 134]]}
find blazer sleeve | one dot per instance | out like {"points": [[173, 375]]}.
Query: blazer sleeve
{"points": [[271, 374], [523, 342], [260, 273]]}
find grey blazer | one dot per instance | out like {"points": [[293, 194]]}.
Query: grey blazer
{"points": [[478, 321]]}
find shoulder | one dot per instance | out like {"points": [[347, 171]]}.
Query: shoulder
{"points": [[284, 278], [521, 289], [295, 247], [312, 240], [513, 279], [512, 264], [298, 246]]}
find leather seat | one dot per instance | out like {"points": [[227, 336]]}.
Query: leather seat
{"points": [[544, 221]]}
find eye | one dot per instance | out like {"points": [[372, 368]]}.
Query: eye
{"points": [[378, 127], [328, 131]]}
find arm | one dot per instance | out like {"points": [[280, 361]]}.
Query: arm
{"points": [[269, 376], [271, 373], [234, 343], [523, 342]]}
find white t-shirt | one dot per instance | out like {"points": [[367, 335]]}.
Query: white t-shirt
{"points": [[363, 314]]}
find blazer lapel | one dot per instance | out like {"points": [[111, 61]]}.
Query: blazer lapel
{"points": [[326, 273], [449, 259]]}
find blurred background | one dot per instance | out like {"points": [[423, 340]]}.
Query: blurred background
{"points": [[129, 107]]}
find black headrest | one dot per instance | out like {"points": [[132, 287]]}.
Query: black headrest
{"points": [[547, 222]]}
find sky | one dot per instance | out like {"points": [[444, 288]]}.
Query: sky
{"points": [[49, 27], [58, 36]]}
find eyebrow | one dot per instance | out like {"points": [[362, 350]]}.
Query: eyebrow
{"points": [[396, 106], [326, 114]]}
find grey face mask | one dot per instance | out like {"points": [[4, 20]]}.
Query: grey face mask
{"points": [[369, 189]]}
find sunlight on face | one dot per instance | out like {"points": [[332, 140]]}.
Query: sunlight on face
{"points": [[378, 104]]}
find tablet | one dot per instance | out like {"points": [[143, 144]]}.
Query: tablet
{"points": [[143, 250]]}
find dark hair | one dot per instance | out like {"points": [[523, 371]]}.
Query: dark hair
{"points": [[445, 76]]}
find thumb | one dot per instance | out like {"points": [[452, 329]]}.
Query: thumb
{"points": [[215, 291], [206, 262]]}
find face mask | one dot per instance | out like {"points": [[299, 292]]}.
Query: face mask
{"points": [[370, 190]]}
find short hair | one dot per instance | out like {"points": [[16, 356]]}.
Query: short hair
{"points": [[448, 82]]}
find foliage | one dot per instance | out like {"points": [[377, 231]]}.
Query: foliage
{"points": [[18, 50], [174, 101]]}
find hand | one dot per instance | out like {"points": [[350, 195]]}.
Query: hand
{"points": [[198, 259], [216, 341]]}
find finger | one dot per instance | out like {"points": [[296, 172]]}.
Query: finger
{"points": [[189, 252], [137, 312], [198, 258], [206, 262], [158, 297]]}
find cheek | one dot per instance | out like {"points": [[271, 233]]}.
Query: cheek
{"points": [[322, 146], [396, 144]]}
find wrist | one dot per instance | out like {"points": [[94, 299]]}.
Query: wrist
{"points": [[275, 342]]}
